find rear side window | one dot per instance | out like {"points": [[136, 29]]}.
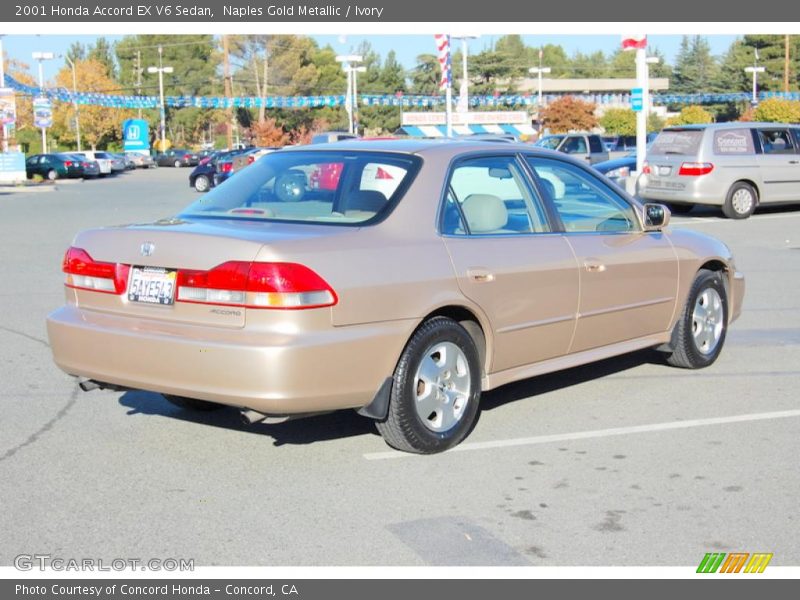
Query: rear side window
{"points": [[489, 195], [776, 141], [321, 187], [594, 144], [678, 141], [733, 141]]}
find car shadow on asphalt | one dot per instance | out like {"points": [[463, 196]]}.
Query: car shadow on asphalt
{"points": [[346, 423], [335, 425], [559, 380]]}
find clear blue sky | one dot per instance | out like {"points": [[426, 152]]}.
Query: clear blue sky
{"points": [[407, 47]]}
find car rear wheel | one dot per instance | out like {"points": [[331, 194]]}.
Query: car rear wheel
{"points": [[52, 175], [201, 184], [177, 164], [435, 391], [741, 201], [191, 403], [700, 333]]}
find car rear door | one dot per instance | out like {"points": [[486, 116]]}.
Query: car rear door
{"points": [[779, 163], [628, 277], [508, 260]]}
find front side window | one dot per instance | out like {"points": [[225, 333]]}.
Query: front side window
{"points": [[488, 195], [584, 203], [320, 187], [574, 145]]}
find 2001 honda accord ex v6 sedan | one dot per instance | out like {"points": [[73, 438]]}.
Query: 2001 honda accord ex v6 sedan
{"points": [[399, 278]]}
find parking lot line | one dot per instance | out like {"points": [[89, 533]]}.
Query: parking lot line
{"points": [[600, 433]]}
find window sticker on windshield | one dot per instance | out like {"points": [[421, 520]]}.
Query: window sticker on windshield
{"points": [[733, 141]]}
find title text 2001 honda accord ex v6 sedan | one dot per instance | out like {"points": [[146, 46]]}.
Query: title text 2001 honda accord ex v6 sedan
{"points": [[399, 278]]}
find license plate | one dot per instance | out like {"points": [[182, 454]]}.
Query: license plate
{"points": [[664, 171], [152, 285]]}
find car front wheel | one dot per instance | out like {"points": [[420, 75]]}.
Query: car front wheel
{"points": [[741, 201], [700, 333], [201, 184], [435, 390]]}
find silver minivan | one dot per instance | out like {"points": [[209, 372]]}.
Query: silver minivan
{"points": [[737, 166]]}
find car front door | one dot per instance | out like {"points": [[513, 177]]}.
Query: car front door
{"points": [[779, 163], [628, 277], [509, 261]]}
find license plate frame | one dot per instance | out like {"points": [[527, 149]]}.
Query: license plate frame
{"points": [[154, 286]]}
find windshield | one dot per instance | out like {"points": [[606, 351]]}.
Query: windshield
{"points": [[550, 142], [331, 187]]}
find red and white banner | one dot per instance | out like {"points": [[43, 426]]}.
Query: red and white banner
{"points": [[634, 42], [443, 55]]}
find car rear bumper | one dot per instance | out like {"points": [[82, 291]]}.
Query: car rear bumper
{"points": [[274, 373]]}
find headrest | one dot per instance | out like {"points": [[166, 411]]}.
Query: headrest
{"points": [[484, 213]]}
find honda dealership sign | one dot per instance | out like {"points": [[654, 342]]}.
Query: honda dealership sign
{"points": [[136, 136]]}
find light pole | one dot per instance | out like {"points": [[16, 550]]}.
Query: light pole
{"points": [[161, 69], [41, 57], [540, 71], [755, 70], [347, 61], [463, 101], [75, 102]]}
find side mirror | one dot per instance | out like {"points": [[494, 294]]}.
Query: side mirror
{"points": [[656, 217]]}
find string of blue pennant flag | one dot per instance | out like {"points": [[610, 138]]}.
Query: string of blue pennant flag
{"points": [[400, 100]]}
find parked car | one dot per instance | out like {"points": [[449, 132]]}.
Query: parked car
{"points": [[53, 166], [618, 169], [236, 161], [619, 146], [177, 157], [127, 160], [202, 176], [90, 167], [737, 166], [141, 160], [405, 302], [102, 159], [118, 164], [588, 146]]}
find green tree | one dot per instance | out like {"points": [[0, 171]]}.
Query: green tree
{"points": [[771, 55], [619, 121], [696, 70], [425, 76], [103, 52]]}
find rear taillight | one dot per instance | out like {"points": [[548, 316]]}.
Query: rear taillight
{"points": [[226, 167], [256, 285], [86, 273], [646, 168], [251, 159], [693, 169], [186, 157]]}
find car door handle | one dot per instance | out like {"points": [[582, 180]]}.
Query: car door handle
{"points": [[480, 275], [593, 265], [794, 162]]}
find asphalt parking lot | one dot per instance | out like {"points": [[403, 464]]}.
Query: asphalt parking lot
{"points": [[625, 462]]}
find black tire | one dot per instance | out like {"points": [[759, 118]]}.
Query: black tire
{"points": [[681, 209], [687, 352], [741, 201], [52, 175], [404, 428], [202, 184], [192, 403]]}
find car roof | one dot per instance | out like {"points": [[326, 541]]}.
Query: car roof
{"points": [[453, 146], [727, 125]]}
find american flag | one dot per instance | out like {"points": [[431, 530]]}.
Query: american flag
{"points": [[443, 54]]}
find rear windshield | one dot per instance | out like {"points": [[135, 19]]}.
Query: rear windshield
{"points": [[678, 141], [331, 187]]}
